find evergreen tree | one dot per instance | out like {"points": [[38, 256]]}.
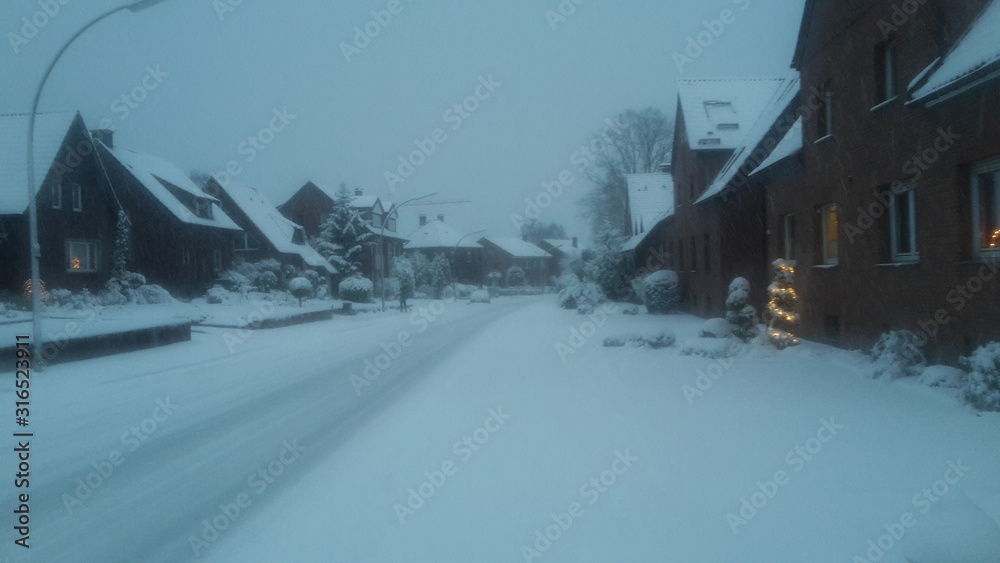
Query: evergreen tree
{"points": [[739, 312], [440, 274], [344, 234], [402, 272], [123, 242], [781, 306]]}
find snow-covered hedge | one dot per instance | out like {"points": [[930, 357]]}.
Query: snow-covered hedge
{"points": [[660, 292], [583, 294], [656, 340], [709, 347], [897, 354], [479, 296], [356, 289], [715, 328], [982, 389]]}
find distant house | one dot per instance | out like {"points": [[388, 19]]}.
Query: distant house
{"points": [[76, 211], [561, 249], [501, 254], [464, 254], [651, 203], [266, 232], [309, 207], [181, 238]]}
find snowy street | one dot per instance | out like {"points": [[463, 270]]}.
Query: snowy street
{"points": [[499, 432]]}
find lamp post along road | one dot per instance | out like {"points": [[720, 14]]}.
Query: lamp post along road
{"points": [[36, 250], [454, 255], [381, 240]]}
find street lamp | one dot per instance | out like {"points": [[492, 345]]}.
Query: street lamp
{"points": [[381, 239], [454, 280], [36, 251]]}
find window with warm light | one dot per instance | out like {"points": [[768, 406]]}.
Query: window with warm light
{"points": [[82, 256], [903, 225], [986, 208], [830, 229]]}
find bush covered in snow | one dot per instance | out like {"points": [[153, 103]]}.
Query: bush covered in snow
{"points": [[403, 278], [982, 389], [897, 354], [152, 294], [261, 276], [479, 296], [583, 294], [660, 292], [7, 311], [631, 310], [742, 316], [300, 288], [463, 291], [942, 376], [656, 340], [709, 347], [715, 328], [218, 295], [516, 277], [356, 289]]}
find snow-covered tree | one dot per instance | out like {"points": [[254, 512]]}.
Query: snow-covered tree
{"points": [[607, 266], [742, 316], [440, 275], [300, 288], [781, 306], [402, 272], [344, 234], [534, 231], [983, 388], [123, 242], [516, 277]]}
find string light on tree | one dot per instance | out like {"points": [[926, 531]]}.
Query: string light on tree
{"points": [[995, 239], [781, 306], [27, 288]]}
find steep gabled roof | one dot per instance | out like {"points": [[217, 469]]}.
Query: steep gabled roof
{"points": [[974, 59], [51, 130], [751, 152], [650, 199], [563, 245], [718, 112], [790, 145], [517, 247], [158, 176], [438, 235], [272, 225]]}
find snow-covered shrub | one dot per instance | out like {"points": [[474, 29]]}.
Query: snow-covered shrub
{"points": [[315, 279], [660, 292], [57, 297], [356, 289], [7, 311], [152, 294], [742, 316], [585, 294], [440, 273], [479, 296], [942, 376], [217, 295], [236, 281], [709, 347], [133, 280], [404, 277], [982, 389], [262, 276], [715, 328], [448, 294], [300, 288], [494, 278], [567, 279], [632, 310], [614, 342], [897, 354], [662, 339], [463, 291], [516, 277], [609, 270]]}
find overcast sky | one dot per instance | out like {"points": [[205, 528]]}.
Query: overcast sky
{"points": [[220, 75]]}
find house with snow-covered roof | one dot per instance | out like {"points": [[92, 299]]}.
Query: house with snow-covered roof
{"points": [[464, 253], [266, 233], [502, 253], [651, 205]]}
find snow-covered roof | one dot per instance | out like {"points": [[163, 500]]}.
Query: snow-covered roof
{"points": [[50, 132], [973, 58], [717, 112], [746, 157], [364, 201], [650, 199], [438, 235], [790, 145], [565, 246], [518, 248], [155, 174], [278, 230]]}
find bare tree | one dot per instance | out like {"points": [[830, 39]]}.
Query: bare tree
{"points": [[637, 142]]}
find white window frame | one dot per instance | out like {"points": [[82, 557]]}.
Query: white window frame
{"points": [[829, 260], [985, 167], [57, 195], [905, 196], [77, 195], [217, 260], [788, 238], [91, 251]]}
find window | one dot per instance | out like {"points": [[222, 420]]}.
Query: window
{"points": [[217, 260], [185, 255], [986, 208], [77, 197], [824, 114], [57, 195], [829, 232], [885, 71], [680, 254], [694, 254], [246, 241], [708, 253], [903, 224], [82, 256], [788, 237]]}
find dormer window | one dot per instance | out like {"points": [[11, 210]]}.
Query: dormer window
{"points": [[299, 236], [202, 208]]}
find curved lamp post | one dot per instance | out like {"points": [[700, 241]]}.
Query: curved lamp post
{"points": [[454, 278], [36, 251], [381, 239]]}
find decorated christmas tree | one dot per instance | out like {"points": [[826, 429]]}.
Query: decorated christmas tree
{"points": [[781, 306]]}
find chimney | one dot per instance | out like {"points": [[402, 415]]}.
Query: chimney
{"points": [[358, 192], [423, 220], [105, 136], [441, 217], [574, 242]]}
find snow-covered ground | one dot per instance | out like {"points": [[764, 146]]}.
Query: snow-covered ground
{"points": [[501, 432]]}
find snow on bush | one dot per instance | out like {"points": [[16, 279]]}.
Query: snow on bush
{"points": [[708, 347], [7, 311], [356, 289], [633, 310], [516, 277], [660, 292], [217, 296], [982, 389], [614, 342], [656, 340], [739, 312], [942, 376], [479, 296], [152, 294], [897, 354], [463, 291], [300, 288], [584, 294], [715, 328]]}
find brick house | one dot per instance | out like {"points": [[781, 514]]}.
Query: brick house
{"points": [[502, 253], [892, 208], [711, 239], [650, 203], [464, 254]]}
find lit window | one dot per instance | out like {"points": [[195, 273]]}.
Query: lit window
{"points": [[903, 224], [986, 208], [82, 256], [788, 237], [77, 197], [831, 226]]}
